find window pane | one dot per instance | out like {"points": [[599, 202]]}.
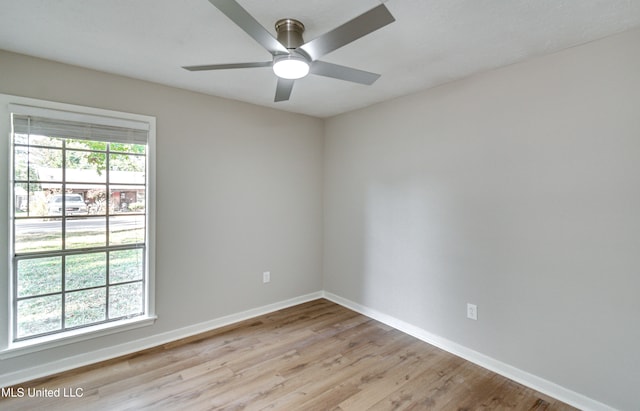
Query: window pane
{"points": [[39, 276], [125, 168], [87, 144], [38, 235], [85, 307], [19, 138], [45, 164], [126, 229], [127, 199], [21, 199], [21, 163], [36, 140], [128, 148], [86, 167], [39, 315], [125, 300], [43, 200], [37, 206], [125, 265], [86, 232], [85, 270], [96, 199]]}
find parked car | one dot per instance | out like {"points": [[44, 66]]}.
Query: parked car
{"points": [[73, 204]]}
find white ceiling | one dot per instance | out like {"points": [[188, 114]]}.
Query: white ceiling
{"points": [[432, 41]]}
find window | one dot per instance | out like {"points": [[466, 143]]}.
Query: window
{"points": [[79, 221]]}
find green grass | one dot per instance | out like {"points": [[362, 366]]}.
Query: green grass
{"points": [[37, 242], [43, 275], [39, 276], [85, 307], [39, 315], [31, 242]]}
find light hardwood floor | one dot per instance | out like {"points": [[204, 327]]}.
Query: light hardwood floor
{"points": [[314, 356]]}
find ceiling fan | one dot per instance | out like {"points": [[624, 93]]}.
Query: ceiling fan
{"points": [[292, 57]]}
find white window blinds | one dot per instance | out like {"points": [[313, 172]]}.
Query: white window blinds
{"points": [[80, 126]]}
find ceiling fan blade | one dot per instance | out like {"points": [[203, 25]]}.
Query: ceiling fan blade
{"points": [[350, 31], [322, 68], [283, 90], [228, 66], [246, 22]]}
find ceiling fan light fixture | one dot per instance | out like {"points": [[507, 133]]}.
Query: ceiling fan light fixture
{"points": [[291, 67]]}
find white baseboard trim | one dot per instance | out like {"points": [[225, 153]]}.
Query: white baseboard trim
{"points": [[539, 384], [92, 357]]}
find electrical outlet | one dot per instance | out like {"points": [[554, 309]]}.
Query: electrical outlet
{"points": [[266, 277], [472, 311]]}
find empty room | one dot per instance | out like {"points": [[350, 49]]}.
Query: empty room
{"points": [[292, 205]]}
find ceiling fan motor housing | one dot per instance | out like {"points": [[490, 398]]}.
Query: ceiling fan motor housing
{"points": [[290, 33]]}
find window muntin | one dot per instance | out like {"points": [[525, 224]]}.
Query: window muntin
{"points": [[79, 226]]}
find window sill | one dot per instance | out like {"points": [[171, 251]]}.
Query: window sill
{"points": [[69, 337]]}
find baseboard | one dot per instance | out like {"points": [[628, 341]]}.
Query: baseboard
{"points": [[92, 357], [539, 384]]}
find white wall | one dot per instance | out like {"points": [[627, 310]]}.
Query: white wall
{"points": [[517, 190], [239, 192]]}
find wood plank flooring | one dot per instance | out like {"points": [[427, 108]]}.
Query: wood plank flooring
{"points": [[315, 356]]}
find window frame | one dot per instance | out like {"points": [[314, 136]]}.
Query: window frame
{"points": [[8, 104]]}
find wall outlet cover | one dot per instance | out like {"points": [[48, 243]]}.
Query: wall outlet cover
{"points": [[472, 311]]}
